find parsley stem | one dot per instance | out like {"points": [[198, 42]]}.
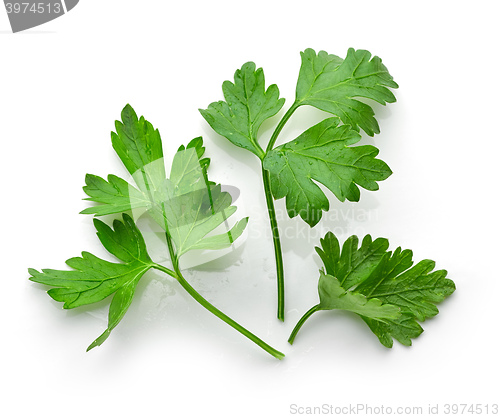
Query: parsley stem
{"points": [[207, 305], [304, 318], [281, 124], [278, 254], [173, 256], [280, 274]]}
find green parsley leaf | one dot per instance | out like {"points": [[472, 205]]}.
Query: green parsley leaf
{"points": [[333, 296], [116, 195], [187, 205], [331, 84], [384, 288], [138, 144], [352, 265], [94, 279], [247, 105], [190, 206], [322, 153]]}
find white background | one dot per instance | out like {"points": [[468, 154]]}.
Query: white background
{"points": [[64, 84]]}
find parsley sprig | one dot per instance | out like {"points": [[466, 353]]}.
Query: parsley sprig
{"points": [[323, 153], [383, 287], [188, 207]]}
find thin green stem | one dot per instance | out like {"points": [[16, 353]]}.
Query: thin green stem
{"points": [[207, 305], [166, 270], [280, 274], [281, 124], [171, 250], [304, 318]]}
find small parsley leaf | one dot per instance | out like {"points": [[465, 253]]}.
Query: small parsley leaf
{"points": [[247, 105], [94, 279], [138, 144], [383, 287], [331, 84], [351, 265], [322, 153], [190, 207], [187, 204], [333, 296], [115, 194]]}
